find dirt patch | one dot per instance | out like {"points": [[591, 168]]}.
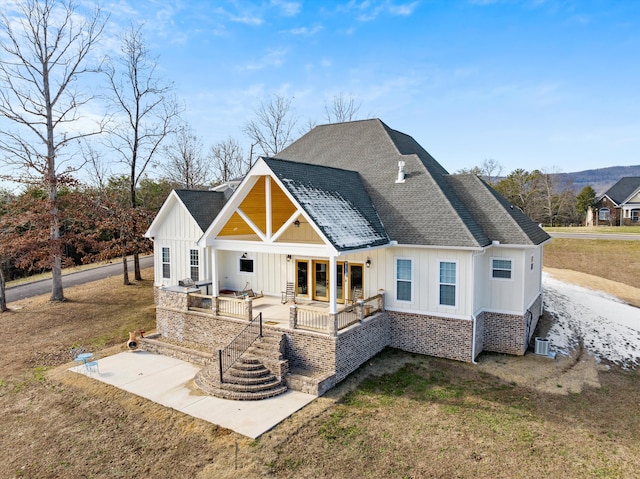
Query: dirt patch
{"points": [[562, 374]]}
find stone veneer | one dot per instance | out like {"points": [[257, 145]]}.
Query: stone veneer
{"points": [[507, 333], [333, 358], [432, 335]]}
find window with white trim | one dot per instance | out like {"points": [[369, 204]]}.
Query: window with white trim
{"points": [[603, 214], [166, 263], [194, 264], [404, 279], [448, 283], [501, 268]]}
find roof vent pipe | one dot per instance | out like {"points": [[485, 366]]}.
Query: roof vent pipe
{"points": [[400, 172]]}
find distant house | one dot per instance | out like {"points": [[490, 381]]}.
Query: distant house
{"points": [[620, 204], [373, 240]]}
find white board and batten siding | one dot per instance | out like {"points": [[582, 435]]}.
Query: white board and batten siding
{"points": [[507, 295], [426, 281], [178, 232]]}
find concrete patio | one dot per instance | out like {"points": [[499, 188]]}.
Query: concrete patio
{"points": [[168, 381]]}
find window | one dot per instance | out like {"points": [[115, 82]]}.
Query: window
{"points": [[501, 268], [635, 216], [404, 279], [194, 261], [166, 263], [603, 214], [246, 265], [447, 283]]}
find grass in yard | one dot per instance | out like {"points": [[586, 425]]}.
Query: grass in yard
{"points": [[595, 229], [611, 259], [440, 418]]}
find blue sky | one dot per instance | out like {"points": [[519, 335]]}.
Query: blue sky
{"points": [[530, 83]]}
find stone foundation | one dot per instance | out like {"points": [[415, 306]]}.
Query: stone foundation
{"points": [[510, 334], [432, 335]]}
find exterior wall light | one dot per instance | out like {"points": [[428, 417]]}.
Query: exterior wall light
{"points": [[368, 263]]}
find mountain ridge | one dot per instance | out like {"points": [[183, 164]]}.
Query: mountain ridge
{"points": [[600, 179]]}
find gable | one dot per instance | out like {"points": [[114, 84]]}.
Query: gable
{"points": [[335, 200], [265, 212], [253, 211]]}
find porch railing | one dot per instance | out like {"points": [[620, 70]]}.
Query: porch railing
{"points": [[230, 354], [311, 319], [347, 317], [234, 307]]}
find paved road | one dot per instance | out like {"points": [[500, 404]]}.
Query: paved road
{"points": [[597, 236], [72, 279]]}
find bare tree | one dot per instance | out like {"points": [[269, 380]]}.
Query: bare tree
{"points": [[45, 46], [145, 110], [272, 128], [341, 109], [490, 169], [186, 164], [227, 160]]}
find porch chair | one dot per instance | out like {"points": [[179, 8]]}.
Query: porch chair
{"points": [[75, 352], [91, 366], [289, 294], [356, 294]]}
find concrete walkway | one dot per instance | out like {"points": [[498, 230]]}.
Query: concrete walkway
{"points": [[166, 381]]}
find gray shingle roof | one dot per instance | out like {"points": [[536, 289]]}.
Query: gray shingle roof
{"points": [[203, 205], [336, 201], [623, 189], [428, 208], [500, 220]]}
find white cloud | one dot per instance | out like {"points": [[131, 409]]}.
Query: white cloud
{"points": [[288, 9], [272, 58], [306, 31], [369, 10]]}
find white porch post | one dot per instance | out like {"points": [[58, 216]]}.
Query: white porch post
{"points": [[332, 285], [214, 272]]}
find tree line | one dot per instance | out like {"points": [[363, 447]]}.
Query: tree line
{"points": [[540, 195], [53, 80]]}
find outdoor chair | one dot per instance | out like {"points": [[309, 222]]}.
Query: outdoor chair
{"points": [[75, 352], [356, 294], [91, 366], [289, 294]]}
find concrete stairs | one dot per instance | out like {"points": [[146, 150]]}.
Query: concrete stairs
{"points": [[249, 378]]}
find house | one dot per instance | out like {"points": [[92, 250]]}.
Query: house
{"points": [[620, 204], [380, 245]]}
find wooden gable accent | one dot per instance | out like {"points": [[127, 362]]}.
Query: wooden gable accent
{"points": [[253, 209], [282, 207], [236, 226], [254, 204]]}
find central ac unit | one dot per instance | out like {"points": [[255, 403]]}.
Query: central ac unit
{"points": [[542, 346]]}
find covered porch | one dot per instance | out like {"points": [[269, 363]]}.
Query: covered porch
{"points": [[302, 314]]}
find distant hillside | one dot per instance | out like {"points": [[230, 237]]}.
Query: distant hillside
{"points": [[600, 179]]}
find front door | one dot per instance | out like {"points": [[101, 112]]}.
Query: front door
{"points": [[321, 280]]}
